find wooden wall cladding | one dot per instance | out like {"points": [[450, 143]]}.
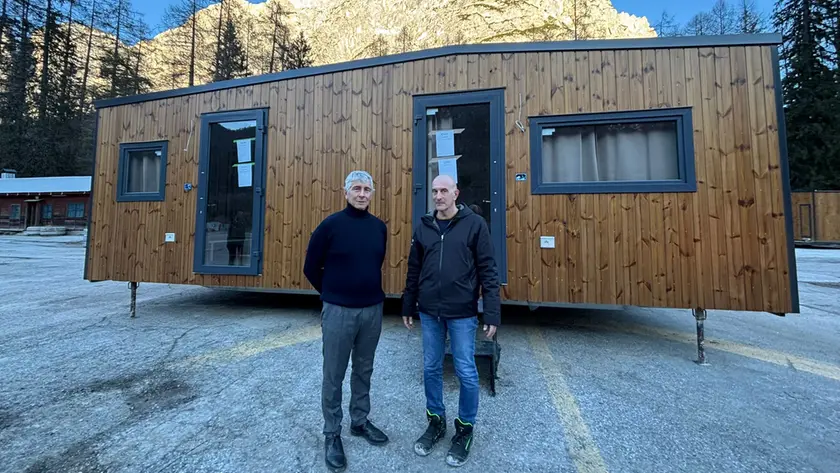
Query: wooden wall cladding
{"points": [[723, 247], [827, 215]]}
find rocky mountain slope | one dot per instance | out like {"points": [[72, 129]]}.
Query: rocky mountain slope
{"points": [[343, 30]]}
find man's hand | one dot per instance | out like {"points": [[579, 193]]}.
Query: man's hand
{"points": [[491, 330], [408, 322]]}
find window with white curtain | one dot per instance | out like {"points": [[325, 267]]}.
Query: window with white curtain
{"points": [[142, 173], [613, 152]]}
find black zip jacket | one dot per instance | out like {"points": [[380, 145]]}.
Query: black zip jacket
{"points": [[446, 270]]}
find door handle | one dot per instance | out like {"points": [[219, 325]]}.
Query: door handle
{"points": [[417, 187]]}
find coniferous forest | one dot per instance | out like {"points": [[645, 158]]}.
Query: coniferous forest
{"points": [[58, 56]]}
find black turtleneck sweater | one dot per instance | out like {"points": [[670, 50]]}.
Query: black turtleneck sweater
{"points": [[344, 258]]}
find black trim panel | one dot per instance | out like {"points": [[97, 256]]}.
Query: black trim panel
{"points": [[786, 194], [90, 198]]}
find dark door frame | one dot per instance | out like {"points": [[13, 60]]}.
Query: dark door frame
{"points": [[260, 115], [496, 99], [810, 221]]}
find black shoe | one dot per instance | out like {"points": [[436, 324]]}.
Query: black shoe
{"points": [[434, 432], [334, 453], [461, 444], [369, 431]]}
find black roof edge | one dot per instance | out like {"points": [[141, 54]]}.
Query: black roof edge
{"points": [[484, 48]]}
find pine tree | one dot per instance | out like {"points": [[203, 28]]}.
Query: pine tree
{"points": [[230, 59], [298, 54], [275, 23], [16, 87], [119, 65], [666, 25], [750, 19], [405, 40], [810, 94], [699, 25], [183, 51], [724, 20]]}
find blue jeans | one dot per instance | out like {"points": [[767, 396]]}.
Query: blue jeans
{"points": [[462, 342]]}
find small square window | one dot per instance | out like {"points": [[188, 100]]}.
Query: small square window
{"points": [[76, 210], [46, 211], [613, 152], [14, 213], [142, 171]]}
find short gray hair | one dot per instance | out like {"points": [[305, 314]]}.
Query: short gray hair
{"points": [[358, 176]]}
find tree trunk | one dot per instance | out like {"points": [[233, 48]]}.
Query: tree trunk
{"points": [[192, 43], [116, 48], [45, 62], [82, 97], [65, 69]]}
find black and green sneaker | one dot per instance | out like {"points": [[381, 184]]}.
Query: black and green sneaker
{"points": [[434, 432], [461, 443]]}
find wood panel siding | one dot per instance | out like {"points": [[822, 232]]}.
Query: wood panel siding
{"points": [[721, 247], [827, 215]]}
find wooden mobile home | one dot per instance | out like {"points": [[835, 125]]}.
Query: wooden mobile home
{"points": [[816, 216], [646, 172]]}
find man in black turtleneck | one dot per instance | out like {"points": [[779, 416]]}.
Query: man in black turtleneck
{"points": [[344, 264]]}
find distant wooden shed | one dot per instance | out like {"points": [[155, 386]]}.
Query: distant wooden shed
{"points": [[644, 172], [816, 216]]}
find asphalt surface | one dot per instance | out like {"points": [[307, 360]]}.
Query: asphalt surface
{"points": [[222, 381]]}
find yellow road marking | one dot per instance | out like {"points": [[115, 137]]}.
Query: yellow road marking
{"points": [[762, 354], [579, 442], [272, 342], [255, 347]]}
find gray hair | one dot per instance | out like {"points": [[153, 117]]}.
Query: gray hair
{"points": [[358, 176]]}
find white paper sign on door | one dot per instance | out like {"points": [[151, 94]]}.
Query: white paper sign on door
{"points": [[445, 143], [448, 167], [244, 173], [243, 150]]}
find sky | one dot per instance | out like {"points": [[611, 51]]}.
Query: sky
{"points": [[682, 10]]}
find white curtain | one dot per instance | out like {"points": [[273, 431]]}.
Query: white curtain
{"points": [[635, 152], [143, 171], [438, 121]]}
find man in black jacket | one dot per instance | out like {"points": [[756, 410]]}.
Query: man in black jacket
{"points": [[451, 260], [344, 264]]}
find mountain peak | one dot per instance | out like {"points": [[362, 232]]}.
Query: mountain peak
{"points": [[344, 30]]}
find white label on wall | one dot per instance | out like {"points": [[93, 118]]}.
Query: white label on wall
{"points": [[546, 242]]}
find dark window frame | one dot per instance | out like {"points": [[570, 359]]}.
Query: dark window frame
{"points": [[12, 208], [685, 152], [122, 172], [76, 206], [259, 212]]}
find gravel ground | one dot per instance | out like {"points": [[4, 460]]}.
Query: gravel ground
{"points": [[215, 380]]}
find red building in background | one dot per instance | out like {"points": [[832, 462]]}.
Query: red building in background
{"points": [[43, 201]]}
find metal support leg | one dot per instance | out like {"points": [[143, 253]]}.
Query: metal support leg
{"points": [[700, 316], [133, 286]]}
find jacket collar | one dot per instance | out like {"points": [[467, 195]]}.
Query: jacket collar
{"points": [[463, 211]]}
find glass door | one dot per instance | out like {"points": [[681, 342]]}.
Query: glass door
{"points": [[231, 205], [462, 135]]}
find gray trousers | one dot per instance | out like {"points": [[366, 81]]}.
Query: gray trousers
{"points": [[348, 330]]}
